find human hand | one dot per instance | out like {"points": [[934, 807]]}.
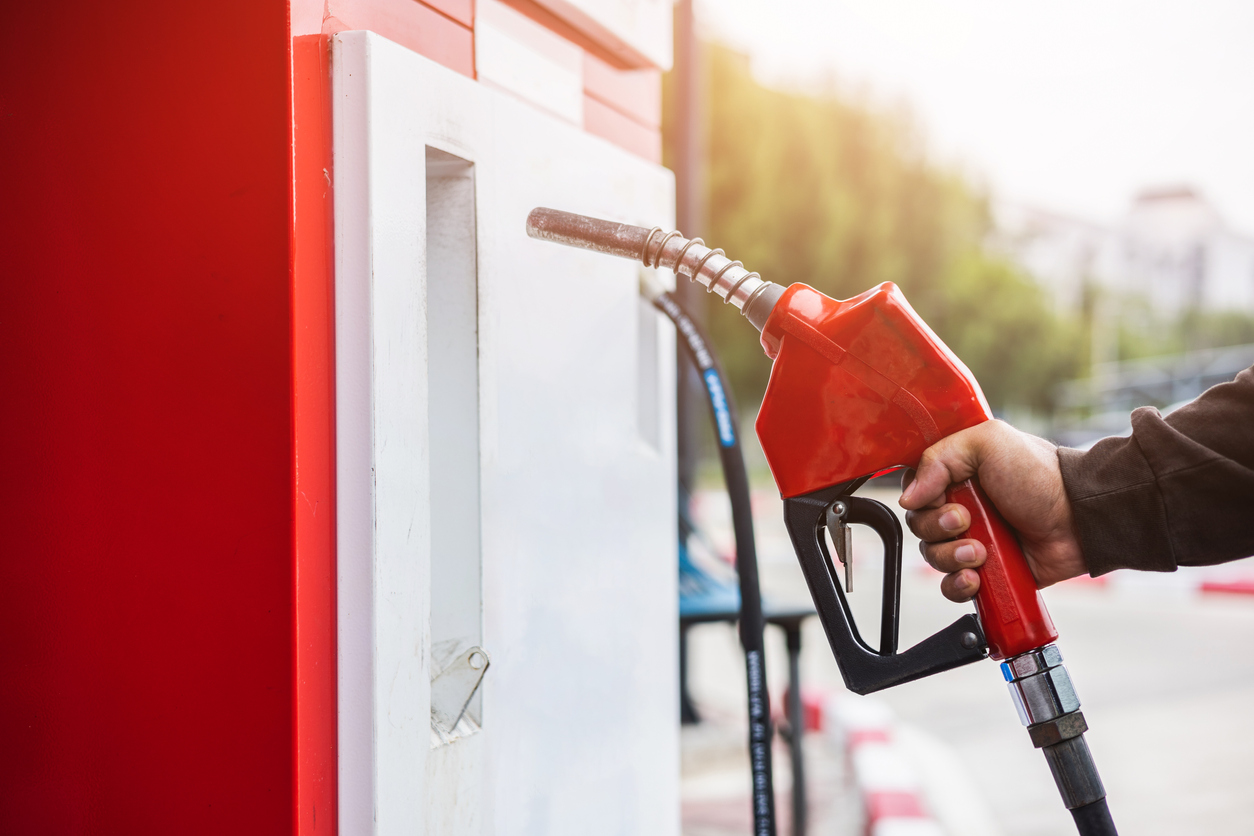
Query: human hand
{"points": [[1020, 475]]}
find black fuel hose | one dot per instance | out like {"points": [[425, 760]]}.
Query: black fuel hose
{"points": [[752, 624], [1094, 819]]}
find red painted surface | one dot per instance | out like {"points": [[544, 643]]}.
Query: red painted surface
{"points": [[151, 346], [607, 123], [633, 93], [894, 804], [862, 385], [411, 24], [313, 411], [812, 701]]}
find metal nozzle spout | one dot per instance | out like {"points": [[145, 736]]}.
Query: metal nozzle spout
{"points": [[622, 240], [656, 248]]}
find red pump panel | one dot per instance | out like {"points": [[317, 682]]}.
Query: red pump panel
{"points": [[313, 437], [146, 434], [863, 385]]}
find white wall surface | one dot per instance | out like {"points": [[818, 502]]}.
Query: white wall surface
{"points": [[516, 54], [579, 711]]}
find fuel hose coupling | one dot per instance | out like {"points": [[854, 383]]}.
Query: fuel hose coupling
{"points": [[1047, 704]]}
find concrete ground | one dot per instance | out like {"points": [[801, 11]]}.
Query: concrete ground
{"points": [[1166, 677], [715, 783]]}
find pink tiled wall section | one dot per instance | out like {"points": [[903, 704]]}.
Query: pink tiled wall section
{"points": [[623, 106], [633, 93], [462, 11], [604, 121], [442, 30]]}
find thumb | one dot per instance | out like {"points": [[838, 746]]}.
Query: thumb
{"points": [[953, 459]]}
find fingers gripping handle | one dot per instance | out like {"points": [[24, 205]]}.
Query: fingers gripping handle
{"points": [[1011, 611]]}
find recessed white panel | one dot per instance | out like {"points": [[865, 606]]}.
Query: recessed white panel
{"points": [[575, 506]]}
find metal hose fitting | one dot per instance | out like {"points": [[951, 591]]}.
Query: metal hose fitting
{"points": [[1047, 704], [657, 248]]}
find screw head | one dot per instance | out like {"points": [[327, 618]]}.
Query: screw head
{"points": [[970, 640]]}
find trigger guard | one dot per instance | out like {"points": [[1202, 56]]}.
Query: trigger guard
{"points": [[877, 517], [864, 669]]}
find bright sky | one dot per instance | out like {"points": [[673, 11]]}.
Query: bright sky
{"points": [[1072, 105]]}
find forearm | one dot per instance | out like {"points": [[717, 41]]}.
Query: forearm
{"points": [[1178, 492]]}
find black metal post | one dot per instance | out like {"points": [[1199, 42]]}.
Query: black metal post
{"points": [[688, 714], [686, 119]]}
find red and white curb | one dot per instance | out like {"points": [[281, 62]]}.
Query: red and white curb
{"points": [[882, 773]]}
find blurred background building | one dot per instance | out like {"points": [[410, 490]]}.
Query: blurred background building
{"points": [[1170, 276], [1172, 249]]}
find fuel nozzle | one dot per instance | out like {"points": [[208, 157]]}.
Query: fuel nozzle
{"points": [[656, 248]]}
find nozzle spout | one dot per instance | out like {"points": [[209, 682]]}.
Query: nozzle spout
{"points": [[657, 248], [622, 240]]}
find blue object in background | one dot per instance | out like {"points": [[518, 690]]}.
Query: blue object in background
{"points": [[700, 593]]}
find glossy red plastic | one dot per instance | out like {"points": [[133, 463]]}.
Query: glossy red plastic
{"points": [[863, 385], [1011, 611], [859, 386]]}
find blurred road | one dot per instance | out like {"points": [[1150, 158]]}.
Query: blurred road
{"points": [[1166, 677]]}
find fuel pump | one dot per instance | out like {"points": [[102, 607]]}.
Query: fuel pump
{"points": [[860, 387]]}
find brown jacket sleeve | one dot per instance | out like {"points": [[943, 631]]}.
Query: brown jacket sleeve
{"points": [[1178, 492]]}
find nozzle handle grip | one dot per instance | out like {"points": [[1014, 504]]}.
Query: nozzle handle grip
{"points": [[1011, 611]]}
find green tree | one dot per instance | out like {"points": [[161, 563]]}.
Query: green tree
{"points": [[998, 320], [836, 193]]}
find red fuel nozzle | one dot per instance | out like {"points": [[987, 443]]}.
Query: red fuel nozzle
{"points": [[858, 387]]}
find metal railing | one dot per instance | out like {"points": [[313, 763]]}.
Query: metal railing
{"points": [[1099, 404]]}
